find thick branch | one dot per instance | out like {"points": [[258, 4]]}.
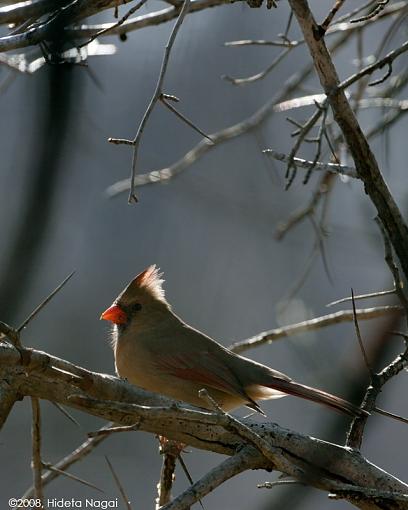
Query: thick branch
{"points": [[43, 376], [8, 397], [245, 459]]}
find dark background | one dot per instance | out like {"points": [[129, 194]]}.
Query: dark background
{"points": [[211, 230]]}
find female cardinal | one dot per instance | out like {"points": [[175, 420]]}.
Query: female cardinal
{"points": [[156, 350]]}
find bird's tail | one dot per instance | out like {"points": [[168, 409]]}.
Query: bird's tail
{"points": [[321, 397]]}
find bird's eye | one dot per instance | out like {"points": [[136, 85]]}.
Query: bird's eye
{"points": [[136, 307]]}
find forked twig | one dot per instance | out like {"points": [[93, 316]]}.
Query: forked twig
{"points": [[154, 99]]}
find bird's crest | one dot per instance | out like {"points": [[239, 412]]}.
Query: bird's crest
{"points": [[150, 280]]}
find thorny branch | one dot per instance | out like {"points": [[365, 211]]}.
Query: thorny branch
{"points": [[378, 380], [28, 372], [47, 377]]}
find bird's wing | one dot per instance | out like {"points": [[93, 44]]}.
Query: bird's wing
{"points": [[204, 368]]}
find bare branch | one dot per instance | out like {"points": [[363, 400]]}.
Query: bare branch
{"points": [[170, 450], [117, 401], [362, 296], [387, 60], [44, 302], [231, 467], [268, 337], [329, 18], [310, 165], [54, 469], [36, 462], [78, 454], [109, 29], [262, 74], [125, 498], [163, 98], [364, 159], [358, 334], [8, 397], [155, 97]]}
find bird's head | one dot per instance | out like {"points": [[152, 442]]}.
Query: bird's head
{"points": [[139, 301]]}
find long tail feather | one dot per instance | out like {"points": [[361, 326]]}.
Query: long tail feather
{"points": [[318, 396]]}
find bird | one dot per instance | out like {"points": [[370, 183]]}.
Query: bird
{"points": [[157, 351]]}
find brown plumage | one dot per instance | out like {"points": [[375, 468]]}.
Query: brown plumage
{"points": [[156, 350]]}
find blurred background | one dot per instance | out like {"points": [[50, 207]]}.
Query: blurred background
{"points": [[211, 230]]}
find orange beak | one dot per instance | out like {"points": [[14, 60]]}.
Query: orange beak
{"points": [[115, 314]]}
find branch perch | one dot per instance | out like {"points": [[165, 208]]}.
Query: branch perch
{"points": [[43, 376]]}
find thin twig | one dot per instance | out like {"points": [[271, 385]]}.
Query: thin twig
{"points": [[78, 454], [261, 42], [333, 11], [301, 135], [125, 499], [285, 481], [36, 462], [66, 414], [44, 302], [110, 28], [275, 104], [391, 415], [383, 78], [229, 468], [392, 266], [168, 105], [51, 467], [379, 64], [362, 296], [377, 9], [323, 189], [233, 425], [268, 337], [358, 334], [262, 74], [113, 430], [155, 97], [378, 380], [310, 165]]}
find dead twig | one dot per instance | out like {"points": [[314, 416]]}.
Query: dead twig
{"points": [[154, 99], [36, 462], [362, 296], [125, 498]]}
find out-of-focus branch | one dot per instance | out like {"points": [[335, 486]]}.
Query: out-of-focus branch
{"points": [[318, 165], [341, 316], [362, 296], [379, 64], [340, 26], [62, 18]]}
